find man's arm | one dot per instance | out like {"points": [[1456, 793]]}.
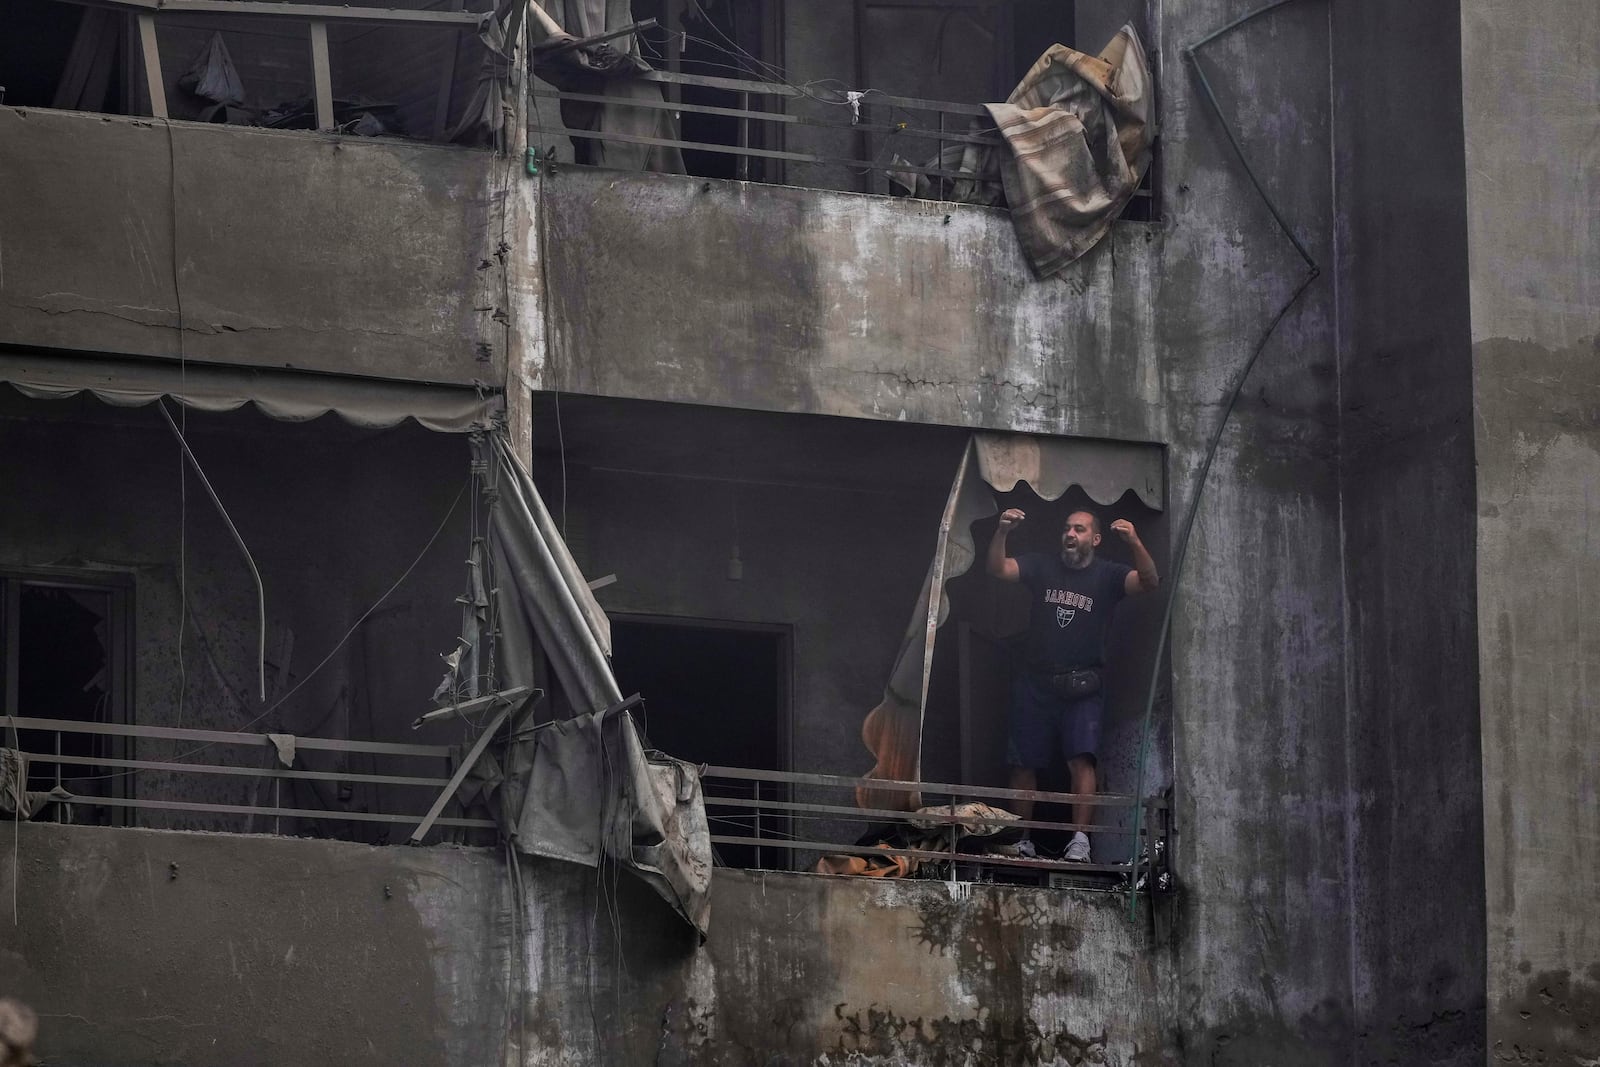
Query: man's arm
{"points": [[1143, 578], [1001, 565]]}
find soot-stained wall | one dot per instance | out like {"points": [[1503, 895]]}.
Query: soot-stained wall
{"points": [[1530, 96], [332, 515], [1414, 830], [835, 303], [222, 950]]}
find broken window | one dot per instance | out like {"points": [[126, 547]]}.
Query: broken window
{"points": [[62, 55], [65, 641]]}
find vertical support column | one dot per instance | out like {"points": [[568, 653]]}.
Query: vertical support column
{"points": [[321, 75], [152, 66]]}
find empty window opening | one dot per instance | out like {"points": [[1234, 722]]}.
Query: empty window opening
{"points": [[715, 693], [64, 644]]}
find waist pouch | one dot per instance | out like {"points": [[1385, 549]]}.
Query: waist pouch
{"points": [[1074, 684]]}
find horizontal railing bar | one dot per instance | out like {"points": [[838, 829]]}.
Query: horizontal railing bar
{"points": [[775, 117], [798, 778], [251, 809], [248, 772], [917, 853], [455, 20], [772, 89], [761, 153], [941, 818], [176, 733]]}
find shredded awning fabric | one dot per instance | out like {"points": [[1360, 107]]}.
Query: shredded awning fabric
{"points": [[892, 731], [584, 788], [289, 395], [542, 598], [588, 790]]}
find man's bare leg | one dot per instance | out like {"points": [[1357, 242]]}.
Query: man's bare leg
{"points": [[1024, 778], [1085, 782]]}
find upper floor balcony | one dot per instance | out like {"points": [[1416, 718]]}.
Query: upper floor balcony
{"points": [[321, 223]]}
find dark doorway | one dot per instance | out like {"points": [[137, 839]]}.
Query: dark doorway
{"points": [[715, 693], [64, 658]]}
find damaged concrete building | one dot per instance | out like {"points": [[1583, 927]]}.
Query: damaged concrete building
{"points": [[578, 349]]}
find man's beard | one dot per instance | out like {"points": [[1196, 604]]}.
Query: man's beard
{"points": [[1077, 557]]}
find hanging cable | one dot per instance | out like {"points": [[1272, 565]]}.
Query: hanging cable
{"points": [[261, 591], [1180, 554]]}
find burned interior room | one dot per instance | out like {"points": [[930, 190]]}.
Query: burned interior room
{"points": [[130, 604], [775, 559]]}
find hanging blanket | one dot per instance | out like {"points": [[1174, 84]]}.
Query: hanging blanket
{"points": [[1079, 130]]}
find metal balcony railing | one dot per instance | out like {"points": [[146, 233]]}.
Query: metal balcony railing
{"points": [[114, 780], [892, 135], [767, 823], [899, 144], [751, 811]]}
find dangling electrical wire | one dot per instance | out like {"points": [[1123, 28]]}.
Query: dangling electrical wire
{"points": [[261, 591], [1180, 554]]}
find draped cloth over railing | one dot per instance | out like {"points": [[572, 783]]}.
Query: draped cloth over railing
{"points": [[1078, 131], [1076, 136], [614, 69], [991, 463]]}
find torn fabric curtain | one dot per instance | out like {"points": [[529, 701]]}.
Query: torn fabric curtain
{"points": [[289, 395], [892, 731], [541, 598], [586, 789], [610, 69]]}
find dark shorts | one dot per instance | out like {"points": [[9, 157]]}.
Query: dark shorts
{"points": [[1043, 723]]}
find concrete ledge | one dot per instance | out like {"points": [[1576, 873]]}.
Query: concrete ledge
{"points": [[161, 947], [288, 248]]}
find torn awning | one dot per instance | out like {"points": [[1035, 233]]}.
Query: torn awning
{"points": [[542, 597], [295, 396], [1104, 470], [587, 790]]}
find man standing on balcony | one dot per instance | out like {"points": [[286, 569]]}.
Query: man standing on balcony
{"points": [[1056, 700]]}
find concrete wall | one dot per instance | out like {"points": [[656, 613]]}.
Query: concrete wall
{"points": [[1406, 480], [162, 947], [95, 488], [151, 947], [1530, 96], [288, 249]]}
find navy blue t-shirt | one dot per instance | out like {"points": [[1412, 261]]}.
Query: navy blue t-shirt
{"points": [[1069, 611]]}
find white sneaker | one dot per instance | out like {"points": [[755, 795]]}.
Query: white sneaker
{"points": [[1022, 849], [1078, 851]]}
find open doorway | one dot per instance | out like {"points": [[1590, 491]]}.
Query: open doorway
{"points": [[715, 693], [65, 647]]}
